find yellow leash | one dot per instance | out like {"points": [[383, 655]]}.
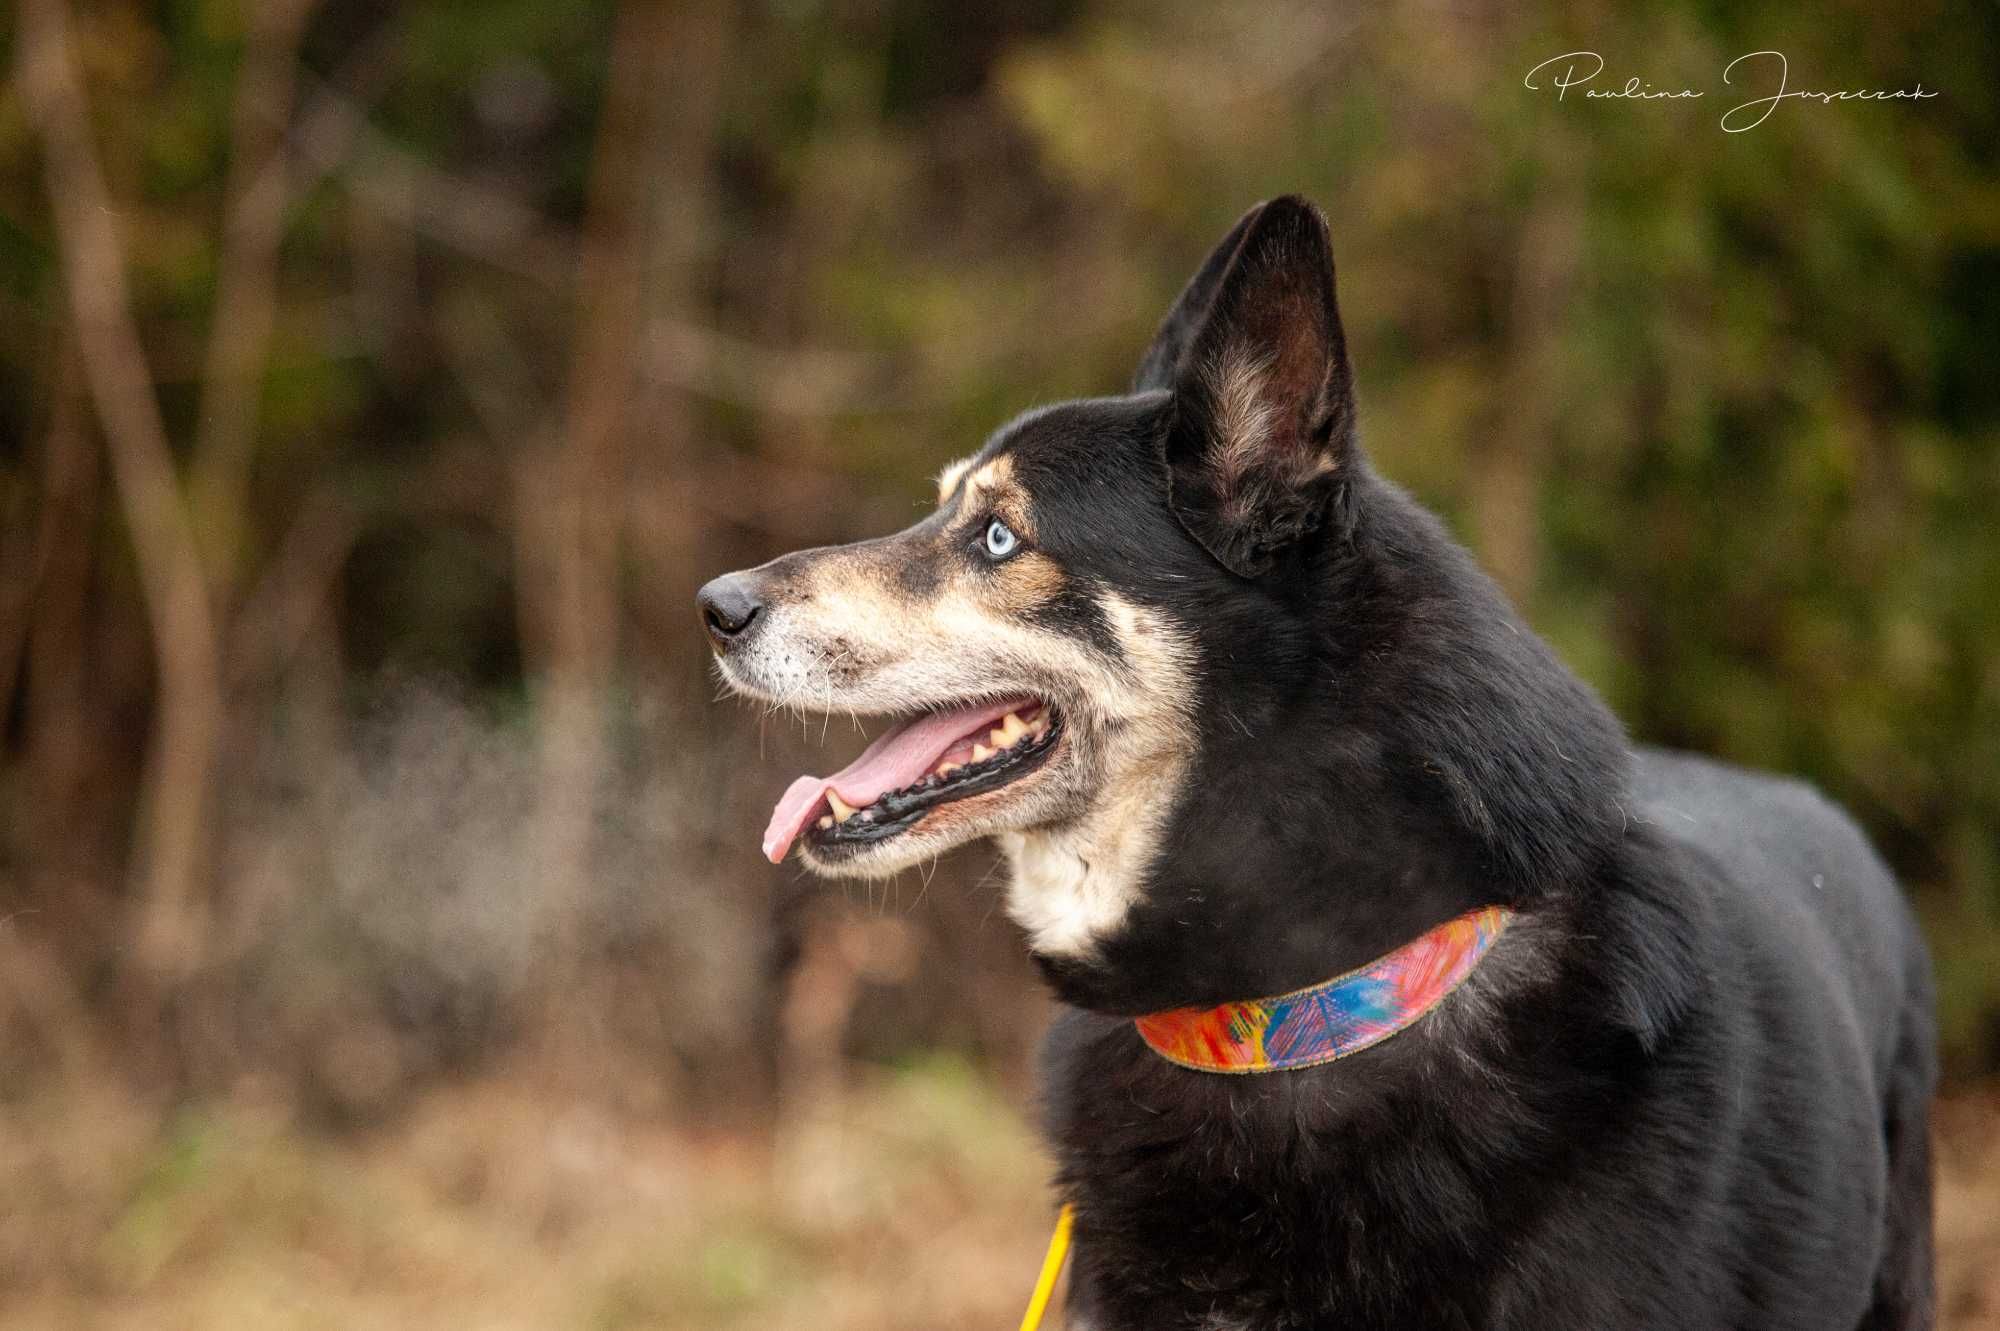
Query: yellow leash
{"points": [[1052, 1266]]}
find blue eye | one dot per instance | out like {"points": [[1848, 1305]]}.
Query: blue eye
{"points": [[1000, 540]]}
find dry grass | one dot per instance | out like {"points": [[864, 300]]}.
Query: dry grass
{"points": [[917, 1202], [1968, 1214]]}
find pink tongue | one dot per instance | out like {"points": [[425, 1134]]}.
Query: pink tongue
{"points": [[901, 756]]}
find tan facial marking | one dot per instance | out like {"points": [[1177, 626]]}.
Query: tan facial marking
{"points": [[1027, 580], [1075, 882], [991, 484], [993, 488], [996, 472], [949, 478]]}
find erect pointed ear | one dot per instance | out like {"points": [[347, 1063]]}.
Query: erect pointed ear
{"points": [[1263, 394], [1162, 361]]}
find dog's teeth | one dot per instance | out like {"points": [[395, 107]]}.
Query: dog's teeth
{"points": [[947, 768], [980, 753], [842, 810], [1039, 726], [826, 821], [1010, 730]]}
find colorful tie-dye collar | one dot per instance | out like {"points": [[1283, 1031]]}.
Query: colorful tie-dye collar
{"points": [[1334, 1018]]}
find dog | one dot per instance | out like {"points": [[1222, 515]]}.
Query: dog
{"points": [[1397, 988]]}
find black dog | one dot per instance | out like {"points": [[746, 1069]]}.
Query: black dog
{"points": [[1244, 718]]}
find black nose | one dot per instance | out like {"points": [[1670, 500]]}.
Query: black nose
{"points": [[729, 606]]}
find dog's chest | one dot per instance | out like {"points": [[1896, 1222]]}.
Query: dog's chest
{"points": [[1068, 889]]}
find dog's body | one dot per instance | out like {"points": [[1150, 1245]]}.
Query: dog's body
{"points": [[1277, 724], [1694, 1098]]}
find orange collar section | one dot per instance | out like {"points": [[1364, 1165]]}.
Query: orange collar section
{"points": [[1334, 1018]]}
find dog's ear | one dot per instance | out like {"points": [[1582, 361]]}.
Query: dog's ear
{"points": [[1263, 412], [1161, 364]]}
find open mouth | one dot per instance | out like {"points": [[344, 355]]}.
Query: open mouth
{"points": [[929, 760]]}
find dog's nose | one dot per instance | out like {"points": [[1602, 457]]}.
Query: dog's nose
{"points": [[729, 606]]}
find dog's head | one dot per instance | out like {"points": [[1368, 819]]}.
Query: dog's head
{"points": [[1051, 642]]}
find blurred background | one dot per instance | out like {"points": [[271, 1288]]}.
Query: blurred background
{"points": [[383, 938]]}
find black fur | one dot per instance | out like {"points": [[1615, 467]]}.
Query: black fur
{"points": [[1688, 1089]]}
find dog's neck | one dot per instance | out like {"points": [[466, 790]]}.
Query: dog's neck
{"points": [[1404, 771], [1332, 1019]]}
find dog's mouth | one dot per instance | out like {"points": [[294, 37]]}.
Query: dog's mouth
{"points": [[920, 764]]}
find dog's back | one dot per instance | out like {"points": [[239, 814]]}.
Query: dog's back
{"points": [[1823, 1011]]}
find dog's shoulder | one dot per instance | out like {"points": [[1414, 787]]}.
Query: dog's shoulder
{"points": [[1802, 902], [1784, 847]]}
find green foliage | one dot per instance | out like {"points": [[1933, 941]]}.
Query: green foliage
{"points": [[1719, 408]]}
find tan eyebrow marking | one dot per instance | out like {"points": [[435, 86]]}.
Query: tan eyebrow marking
{"points": [[949, 478], [993, 486], [995, 476]]}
